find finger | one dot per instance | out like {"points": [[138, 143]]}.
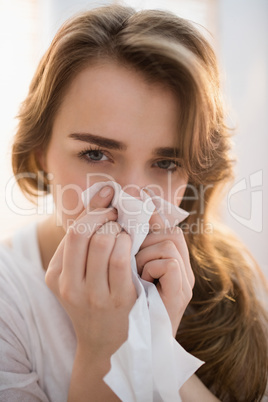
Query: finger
{"points": [[162, 250], [156, 222], [174, 234], [167, 271], [173, 286], [102, 199], [173, 281], [55, 268], [100, 249], [76, 246], [120, 274], [92, 221]]}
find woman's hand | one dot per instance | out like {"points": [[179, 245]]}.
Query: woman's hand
{"points": [[90, 274], [164, 256]]}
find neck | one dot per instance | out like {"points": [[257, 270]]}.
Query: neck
{"points": [[49, 237]]}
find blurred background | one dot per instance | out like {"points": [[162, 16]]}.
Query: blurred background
{"points": [[239, 34]]}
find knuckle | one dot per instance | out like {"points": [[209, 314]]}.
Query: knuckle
{"points": [[105, 213], [172, 264], [117, 301], [189, 294], [95, 300], [52, 275], [168, 246], [77, 231], [71, 233], [119, 261], [113, 227], [49, 278], [67, 294], [101, 240]]}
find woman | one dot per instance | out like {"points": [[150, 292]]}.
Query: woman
{"points": [[134, 97]]}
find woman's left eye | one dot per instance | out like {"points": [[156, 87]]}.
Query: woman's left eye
{"points": [[166, 164]]}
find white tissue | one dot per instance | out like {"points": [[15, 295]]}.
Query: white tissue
{"points": [[150, 366]]}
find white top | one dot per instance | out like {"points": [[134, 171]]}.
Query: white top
{"points": [[37, 341], [35, 331]]}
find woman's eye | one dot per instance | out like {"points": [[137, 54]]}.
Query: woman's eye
{"points": [[94, 155], [166, 164]]}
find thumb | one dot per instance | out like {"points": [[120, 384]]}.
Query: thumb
{"points": [[102, 199]]}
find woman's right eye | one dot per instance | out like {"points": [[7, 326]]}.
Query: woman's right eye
{"points": [[93, 155]]}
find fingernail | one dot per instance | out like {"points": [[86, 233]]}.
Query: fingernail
{"points": [[105, 191]]}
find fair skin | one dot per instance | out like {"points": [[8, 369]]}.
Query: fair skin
{"points": [[112, 123]]}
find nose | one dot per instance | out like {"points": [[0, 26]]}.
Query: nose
{"points": [[132, 189], [132, 181]]}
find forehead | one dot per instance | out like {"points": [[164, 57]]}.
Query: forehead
{"points": [[117, 102]]}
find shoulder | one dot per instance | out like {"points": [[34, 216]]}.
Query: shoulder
{"points": [[21, 273], [20, 248], [6, 242], [8, 260]]}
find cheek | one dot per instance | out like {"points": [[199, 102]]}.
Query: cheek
{"points": [[66, 186], [169, 187], [178, 192], [67, 198], [173, 191], [67, 183]]}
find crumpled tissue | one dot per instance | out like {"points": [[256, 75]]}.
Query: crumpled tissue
{"points": [[150, 366]]}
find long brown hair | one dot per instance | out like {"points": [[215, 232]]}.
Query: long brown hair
{"points": [[225, 323]]}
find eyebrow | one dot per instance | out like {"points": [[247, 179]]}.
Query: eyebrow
{"points": [[166, 152], [101, 141]]}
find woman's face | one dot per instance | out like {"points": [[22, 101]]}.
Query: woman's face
{"points": [[112, 125]]}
